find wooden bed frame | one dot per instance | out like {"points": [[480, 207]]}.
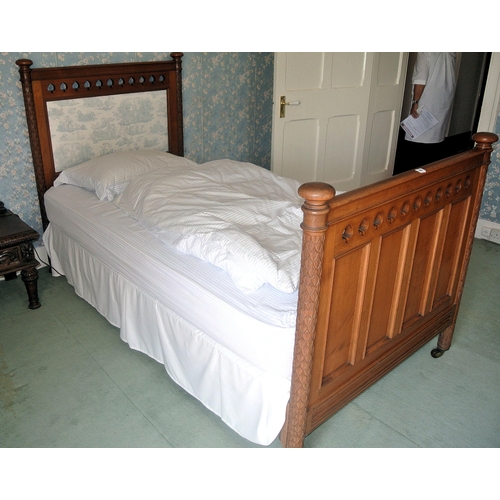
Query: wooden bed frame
{"points": [[383, 266], [44, 85]]}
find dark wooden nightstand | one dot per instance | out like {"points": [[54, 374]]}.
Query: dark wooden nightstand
{"points": [[16, 253]]}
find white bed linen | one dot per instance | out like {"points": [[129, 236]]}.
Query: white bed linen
{"points": [[237, 216], [180, 311]]}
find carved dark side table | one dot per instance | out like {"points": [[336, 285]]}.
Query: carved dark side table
{"points": [[16, 253]]}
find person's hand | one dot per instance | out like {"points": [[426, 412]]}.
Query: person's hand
{"points": [[414, 110]]}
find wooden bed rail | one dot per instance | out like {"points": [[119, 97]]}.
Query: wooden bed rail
{"points": [[383, 270]]}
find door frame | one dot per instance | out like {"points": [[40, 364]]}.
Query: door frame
{"points": [[488, 118], [361, 174], [489, 109]]}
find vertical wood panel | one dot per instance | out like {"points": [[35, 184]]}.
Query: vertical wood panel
{"points": [[447, 278], [425, 254], [388, 287], [349, 280]]}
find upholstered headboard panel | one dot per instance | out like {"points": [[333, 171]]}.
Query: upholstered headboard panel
{"points": [[81, 129]]}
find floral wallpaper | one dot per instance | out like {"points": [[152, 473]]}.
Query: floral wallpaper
{"points": [[490, 207], [227, 113]]}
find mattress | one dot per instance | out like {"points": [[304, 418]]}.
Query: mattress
{"points": [[231, 350]]}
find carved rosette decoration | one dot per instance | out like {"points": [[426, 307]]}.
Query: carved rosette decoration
{"points": [[27, 252], [406, 207]]}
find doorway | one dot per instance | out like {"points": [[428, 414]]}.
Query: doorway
{"points": [[336, 116], [472, 70]]}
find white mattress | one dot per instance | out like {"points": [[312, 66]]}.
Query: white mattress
{"points": [[233, 351]]}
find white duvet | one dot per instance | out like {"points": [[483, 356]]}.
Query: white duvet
{"points": [[237, 216]]}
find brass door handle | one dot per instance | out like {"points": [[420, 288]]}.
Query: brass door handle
{"points": [[283, 103]]}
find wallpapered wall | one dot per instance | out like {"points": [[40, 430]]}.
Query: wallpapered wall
{"points": [[490, 208], [227, 113]]}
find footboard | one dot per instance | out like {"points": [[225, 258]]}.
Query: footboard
{"points": [[383, 270]]}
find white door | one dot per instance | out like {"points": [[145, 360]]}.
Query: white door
{"points": [[341, 119]]}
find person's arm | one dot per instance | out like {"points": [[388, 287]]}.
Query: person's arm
{"points": [[417, 94]]}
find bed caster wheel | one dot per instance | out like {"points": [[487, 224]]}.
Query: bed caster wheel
{"points": [[437, 353]]}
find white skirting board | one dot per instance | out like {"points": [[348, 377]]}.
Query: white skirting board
{"points": [[485, 223]]}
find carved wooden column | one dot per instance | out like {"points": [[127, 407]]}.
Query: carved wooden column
{"points": [[36, 150], [484, 142], [316, 209], [177, 56]]}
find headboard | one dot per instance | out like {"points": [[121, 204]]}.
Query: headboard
{"points": [[48, 91]]}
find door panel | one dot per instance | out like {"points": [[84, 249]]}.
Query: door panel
{"points": [[348, 69], [380, 146], [304, 70], [386, 98], [301, 162], [340, 130], [353, 99], [389, 71]]}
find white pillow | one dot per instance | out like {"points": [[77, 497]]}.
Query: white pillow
{"points": [[110, 174]]}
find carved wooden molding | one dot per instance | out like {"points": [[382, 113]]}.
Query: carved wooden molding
{"points": [[36, 150], [315, 210]]}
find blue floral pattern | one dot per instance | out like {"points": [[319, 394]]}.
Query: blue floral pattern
{"points": [[82, 129], [490, 207], [227, 114]]}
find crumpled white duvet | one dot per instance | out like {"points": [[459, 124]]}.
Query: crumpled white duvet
{"points": [[237, 216]]}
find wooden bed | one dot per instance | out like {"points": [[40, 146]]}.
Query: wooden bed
{"points": [[383, 267]]}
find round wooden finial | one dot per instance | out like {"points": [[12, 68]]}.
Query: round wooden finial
{"points": [[316, 192], [24, 62], [484, 140], [315, 207]]}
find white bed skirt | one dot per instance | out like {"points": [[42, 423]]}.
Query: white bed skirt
{"points": [[248, 399]]}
